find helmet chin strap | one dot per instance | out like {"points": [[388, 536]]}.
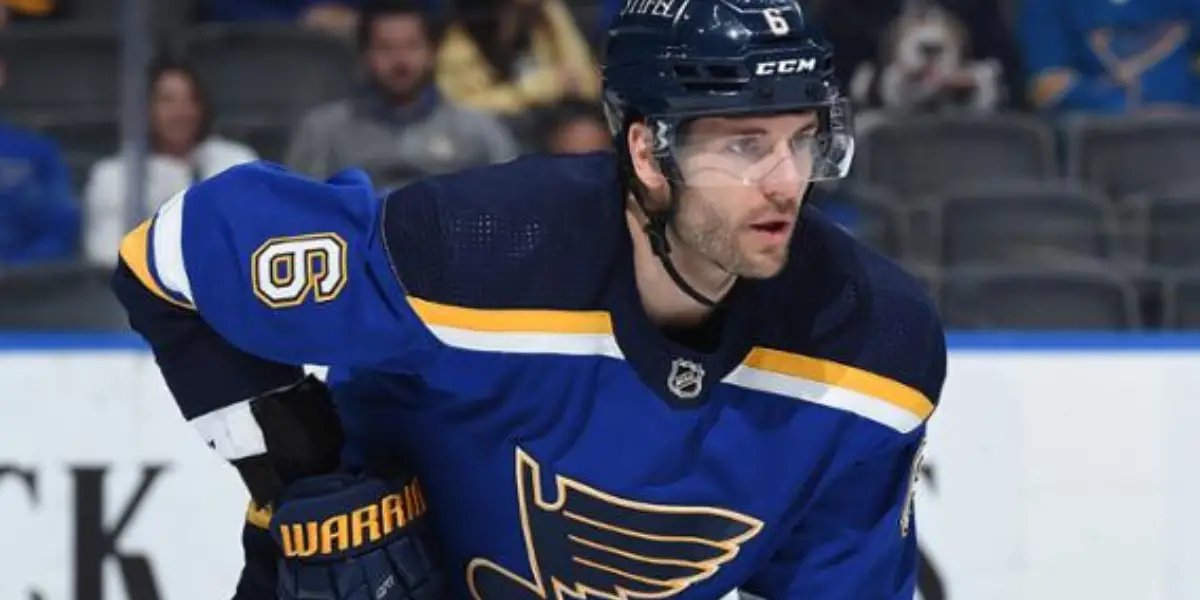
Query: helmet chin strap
{"points": [[657, 221], [656, 232]]}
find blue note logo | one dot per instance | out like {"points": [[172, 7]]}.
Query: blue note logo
{"points": [[287, 271], [585, 543]]}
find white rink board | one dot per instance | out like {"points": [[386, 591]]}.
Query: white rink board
{"points": [[1066, 475], [1055, 475], [61, 412]]}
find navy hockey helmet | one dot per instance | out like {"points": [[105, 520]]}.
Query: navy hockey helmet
{"points": [[670, 61]]}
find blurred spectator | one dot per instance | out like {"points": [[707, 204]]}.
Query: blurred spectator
{"points": [[1109, 56], [335, 16], [39, 217], [397, 127], [575, 127], [923, 55], [182, 151], [509, 56], [23, 10]]}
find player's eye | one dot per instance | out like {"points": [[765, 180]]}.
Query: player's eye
{"points": [[752, 148], [805, 144]]}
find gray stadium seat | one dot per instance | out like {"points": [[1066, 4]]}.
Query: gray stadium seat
{"points": [[269, 72], [1173, 228], [1038, 299], [59, 297], [877, 219], [919, 155], [80, 166], [1135, 155], [162, 14], [56, 71], [929, 276], [1181, 301], [95, 136], [1023, 224]]}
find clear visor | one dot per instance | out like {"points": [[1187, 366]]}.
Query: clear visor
{"points": [[766, 152]]}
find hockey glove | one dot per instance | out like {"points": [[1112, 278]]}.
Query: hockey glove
{"points": [[350, 537]]}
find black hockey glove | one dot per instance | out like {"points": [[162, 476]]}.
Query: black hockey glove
{"points": [[350, 537], [333, 535]]}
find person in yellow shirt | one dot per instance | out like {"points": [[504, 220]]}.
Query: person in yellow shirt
{"points": [[25, 8], [511, 56]]}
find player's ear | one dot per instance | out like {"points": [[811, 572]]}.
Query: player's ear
{"points": [[645, 165]]}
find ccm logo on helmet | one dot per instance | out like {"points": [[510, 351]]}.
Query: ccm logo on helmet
{"points": [[786, 66]]}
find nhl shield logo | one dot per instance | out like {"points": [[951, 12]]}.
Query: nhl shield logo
{"points": [[686, 379]]}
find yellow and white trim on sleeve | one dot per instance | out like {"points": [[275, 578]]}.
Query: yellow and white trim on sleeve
{"points": [[154, 252]]}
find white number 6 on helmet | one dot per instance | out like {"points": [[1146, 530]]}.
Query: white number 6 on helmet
{"points": [[776, 21]]}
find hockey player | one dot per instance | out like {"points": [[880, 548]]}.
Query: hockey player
{"points": [[650, 374]]}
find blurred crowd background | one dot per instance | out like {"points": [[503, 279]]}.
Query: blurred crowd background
{"points": [[1036, 163]]}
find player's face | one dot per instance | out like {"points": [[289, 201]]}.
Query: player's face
{"points": [[745, 178], [399, 54]]}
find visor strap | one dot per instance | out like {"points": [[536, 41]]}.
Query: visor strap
{"points": [[656, 231]]}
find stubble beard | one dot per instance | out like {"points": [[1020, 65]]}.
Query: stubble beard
{"points": [[715, 241]]}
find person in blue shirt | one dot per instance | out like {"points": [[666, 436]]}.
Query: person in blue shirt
{"points": [[39, 216], [1106, 57]]}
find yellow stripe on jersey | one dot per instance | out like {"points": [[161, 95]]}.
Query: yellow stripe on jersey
{"points": [[842, 376], [135, 252], [512, 320]]}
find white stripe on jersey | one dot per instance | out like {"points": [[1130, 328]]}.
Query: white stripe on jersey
{"points": [[168, 248], [816, 392]]}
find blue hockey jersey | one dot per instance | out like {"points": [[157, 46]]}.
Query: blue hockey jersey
{"points": [[487, 326]]}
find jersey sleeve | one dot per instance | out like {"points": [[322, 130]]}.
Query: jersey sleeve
{"points": [[282, 267]]}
